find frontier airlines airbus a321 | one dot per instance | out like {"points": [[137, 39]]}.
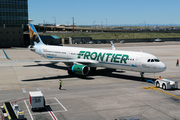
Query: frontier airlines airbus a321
{"points": [[80, 60]]}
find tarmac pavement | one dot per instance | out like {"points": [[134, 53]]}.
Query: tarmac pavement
{"points": [[103, 95]]}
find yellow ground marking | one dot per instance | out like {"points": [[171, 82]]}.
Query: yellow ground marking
{"points": [[126, 80], [28, 87], [110, 81], [47, 85], [75, 83], [56, 85], [66, 84], [166, 93], [119, 80], [84, 83], [7, 88], [148, 88], [157, 89], [101, 82], [93, 82]]}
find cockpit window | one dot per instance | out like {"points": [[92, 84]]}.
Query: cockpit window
{"points": [[156, 60], [153, 60]]}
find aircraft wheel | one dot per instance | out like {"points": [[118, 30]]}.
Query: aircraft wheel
{"points": [[92, 68], [70, 72]]}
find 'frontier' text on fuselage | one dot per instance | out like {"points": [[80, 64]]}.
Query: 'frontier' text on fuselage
{"points": [[112, 57]]}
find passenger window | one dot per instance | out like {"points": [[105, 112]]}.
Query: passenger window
{"points": [[148, 60], [152, 60]]}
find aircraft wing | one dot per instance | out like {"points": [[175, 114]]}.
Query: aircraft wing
{"points": [[82, 61]]}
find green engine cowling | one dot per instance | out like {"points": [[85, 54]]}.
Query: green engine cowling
{"points": [[80, 69]]}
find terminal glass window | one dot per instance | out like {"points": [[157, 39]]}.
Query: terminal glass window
{"points": [[13, 12]]}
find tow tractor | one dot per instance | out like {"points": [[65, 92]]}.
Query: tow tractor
{"points": [[166, 84]]}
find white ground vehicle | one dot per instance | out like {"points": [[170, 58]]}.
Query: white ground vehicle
{"points": [[36, 100], [166, 84]]}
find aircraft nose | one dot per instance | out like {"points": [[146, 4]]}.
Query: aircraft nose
{"points": [[162, 67]]}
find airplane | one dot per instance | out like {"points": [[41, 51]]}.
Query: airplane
{"points": [[81, 60]]}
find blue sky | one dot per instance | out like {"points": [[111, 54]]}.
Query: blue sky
{"points": [[117, 12]]}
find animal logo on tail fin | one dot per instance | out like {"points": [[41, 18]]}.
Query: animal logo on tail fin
{"points": [[34, 37]]}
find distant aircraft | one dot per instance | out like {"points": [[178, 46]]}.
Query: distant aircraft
{"points": [[80, 60]]}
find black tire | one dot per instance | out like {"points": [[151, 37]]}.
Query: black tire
{"points": [[164, 86], [70, 72], [157, 85], [92, 68]]}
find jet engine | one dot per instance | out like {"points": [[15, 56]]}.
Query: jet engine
{"points": [[80, 69]]}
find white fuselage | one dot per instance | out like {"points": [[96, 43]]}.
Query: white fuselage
{"points": [[116, 59]]}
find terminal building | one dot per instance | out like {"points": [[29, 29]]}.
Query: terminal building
{"points": [[13, 22]]}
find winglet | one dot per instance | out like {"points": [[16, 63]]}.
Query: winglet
{"points": [[6, 55], [112, 45]]}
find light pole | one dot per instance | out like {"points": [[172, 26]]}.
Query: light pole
{"points": [[45, 29], [54, 23], [102, 24], [106, 22], [73, 23], [94, 26], [145, 26], [67, 23]]}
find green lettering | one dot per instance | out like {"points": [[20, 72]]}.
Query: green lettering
{"points": [[112, 57], [100, 56], [117, 57], [87, 54], [124, 58], [81, 54], [108, 54], [93, 55]]}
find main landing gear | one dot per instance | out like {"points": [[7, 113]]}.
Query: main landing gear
{"points": [[93, 69], [70, 72]]}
